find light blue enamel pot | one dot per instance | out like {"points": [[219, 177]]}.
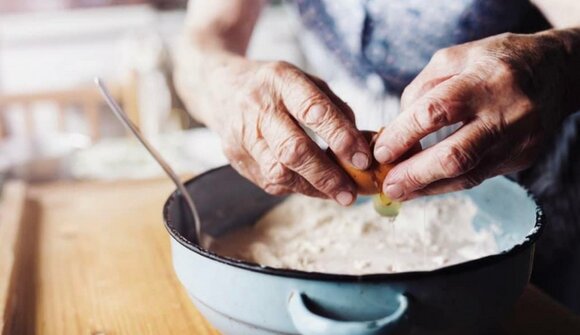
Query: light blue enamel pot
{"points": [[243, 298]]}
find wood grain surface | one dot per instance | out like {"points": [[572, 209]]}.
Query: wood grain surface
{"points": [[536, 313], [12, 204], [100, 264]]}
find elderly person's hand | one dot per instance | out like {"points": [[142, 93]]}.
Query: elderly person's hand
{"points": [[508, 92], [258, 110], [263, 139]]}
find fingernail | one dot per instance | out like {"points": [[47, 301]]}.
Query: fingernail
{"points": [[383, 154], [315, 113], [345, 198], [360, 160], [394, 191]]}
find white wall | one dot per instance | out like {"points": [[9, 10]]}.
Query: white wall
{"points": [[52, 50], [60, 49]]}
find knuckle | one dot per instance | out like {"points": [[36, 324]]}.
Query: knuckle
{"points": [[498, 70], [442, 55], [294, 151], [406, 96], [257, 99], [509, 36], [476, 50], [341, 140], [492, 131], [526, 105], [278, 68], [434, 115], [249, 97], [503, 66], [313, 111], [279, 174], [326, 182], [455, 161], [276, 73], [504, 70]]}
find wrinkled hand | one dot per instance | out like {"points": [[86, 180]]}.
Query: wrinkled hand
{"points": [[506, 93], [263, 107]]}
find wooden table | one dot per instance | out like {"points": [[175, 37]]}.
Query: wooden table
{"points": [[96, 261], [93, 258]]}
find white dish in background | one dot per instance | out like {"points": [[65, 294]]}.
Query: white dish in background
{"points": [[191, 151], [40, 158]]}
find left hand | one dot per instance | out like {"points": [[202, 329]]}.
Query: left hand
{"points": [[506, 91]]}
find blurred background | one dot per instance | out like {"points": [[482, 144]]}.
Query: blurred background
{"points": [[53, 123]]}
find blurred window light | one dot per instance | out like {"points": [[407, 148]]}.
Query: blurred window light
{"points": [[10, 6]]}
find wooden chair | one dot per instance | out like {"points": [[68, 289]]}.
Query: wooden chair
{"points": [[87, 99]]}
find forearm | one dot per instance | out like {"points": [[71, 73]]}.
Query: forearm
{"points": [[548, 67], [570, 39], [200, 76], [216, 37]]}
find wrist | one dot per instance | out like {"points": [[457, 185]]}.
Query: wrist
{"points": [[203, 74], [568, 67]]}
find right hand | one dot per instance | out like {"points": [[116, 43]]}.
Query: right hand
{"points": [[258, 109]]}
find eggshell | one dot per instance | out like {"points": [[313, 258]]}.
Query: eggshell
{"points": [[369, 181]]}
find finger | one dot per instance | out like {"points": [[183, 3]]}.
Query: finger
{"points": [[277, 178], [442, 66], [293, 148], [497, 161], [466, 181], [343, 106], [446, 104], [452, 157], [313, 108], [490, 167], [419, 87]]}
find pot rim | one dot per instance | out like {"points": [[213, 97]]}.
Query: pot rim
{"points": [[529, 241]]}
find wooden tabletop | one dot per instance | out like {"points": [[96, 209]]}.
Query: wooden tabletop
{"points": [[93, 258], [97, 261]]}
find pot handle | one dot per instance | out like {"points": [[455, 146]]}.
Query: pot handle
{"points": [[310, 323]]}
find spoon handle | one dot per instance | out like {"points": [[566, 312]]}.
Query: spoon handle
{"points": [[122, 116]]}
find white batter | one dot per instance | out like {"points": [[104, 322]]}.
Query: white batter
{"points": [[319, 235]]}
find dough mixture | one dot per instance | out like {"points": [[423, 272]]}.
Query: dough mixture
{"points": [[319, 235]]}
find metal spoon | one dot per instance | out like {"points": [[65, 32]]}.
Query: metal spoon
{"points": [[122, 116]]}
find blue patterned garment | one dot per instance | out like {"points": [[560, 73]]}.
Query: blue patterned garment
{"points": [[394, 39]]}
